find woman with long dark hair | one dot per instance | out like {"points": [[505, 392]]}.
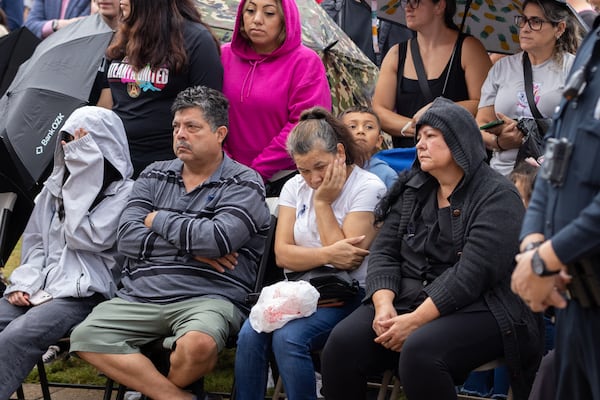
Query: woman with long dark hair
{"points": [[161, 48], [454, 65]]}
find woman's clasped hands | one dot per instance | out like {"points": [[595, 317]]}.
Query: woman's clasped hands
{"points": [[391, 329]]}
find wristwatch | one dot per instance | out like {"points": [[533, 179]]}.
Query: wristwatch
{"points": [[539, 266], [54, 25], [532, 245]]}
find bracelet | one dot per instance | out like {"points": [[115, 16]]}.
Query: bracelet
{"points": [[498, 143], [408, 125], [54, 25]]}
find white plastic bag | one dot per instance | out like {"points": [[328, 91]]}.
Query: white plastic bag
{"points": [[283, 302]]}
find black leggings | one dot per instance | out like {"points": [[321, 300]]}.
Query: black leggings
{"points": [[434, 358]]}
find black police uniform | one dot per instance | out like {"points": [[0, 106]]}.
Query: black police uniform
{"points": [[565, 207]]}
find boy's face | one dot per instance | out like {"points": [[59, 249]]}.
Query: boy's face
{"points": [[365, 129], [523, 188]]}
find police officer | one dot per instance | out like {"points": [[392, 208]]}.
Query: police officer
{"points": [[559, 263]]}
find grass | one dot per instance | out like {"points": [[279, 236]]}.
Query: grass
{"points": [[75, 370], [13, 260]]}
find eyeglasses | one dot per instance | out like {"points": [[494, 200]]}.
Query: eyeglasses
{"points": [[535, 23], [412, 3]]}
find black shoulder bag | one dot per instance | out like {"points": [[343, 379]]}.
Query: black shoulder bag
{"points": [[334, 285], [533, 129]]}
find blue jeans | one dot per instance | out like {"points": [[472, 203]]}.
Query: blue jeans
{"points": [[26, 333], [492, 384], [292, 345]]}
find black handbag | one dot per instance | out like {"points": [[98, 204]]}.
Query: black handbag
{"points": [[331, 283], [534, 129]]}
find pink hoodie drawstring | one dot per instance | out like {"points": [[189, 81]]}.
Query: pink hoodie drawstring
{"points": [[249, 79]]}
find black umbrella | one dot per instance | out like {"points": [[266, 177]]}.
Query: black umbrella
{"points": [[56, 80], [12, 221], [15, 48]]}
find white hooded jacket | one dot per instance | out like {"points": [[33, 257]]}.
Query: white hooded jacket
{"points": [[72, 253]]}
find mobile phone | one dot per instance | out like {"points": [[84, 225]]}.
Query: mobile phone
{"points": [[66, 136], [491, 124], [39, 297]]}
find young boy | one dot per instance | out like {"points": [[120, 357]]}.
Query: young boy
{"points": [[523, 176], [366, 129]]}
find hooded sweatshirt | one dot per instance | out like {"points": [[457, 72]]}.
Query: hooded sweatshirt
{"points": [[267, 93], [485, 215], [69, 243]]}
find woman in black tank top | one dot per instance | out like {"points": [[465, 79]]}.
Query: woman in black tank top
{"points": [[453, 65]]}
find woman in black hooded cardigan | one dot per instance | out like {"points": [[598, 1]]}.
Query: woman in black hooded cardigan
{"points": [[438, 301]]}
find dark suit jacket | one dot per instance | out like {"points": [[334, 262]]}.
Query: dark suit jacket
{"points": [[45, 10]]}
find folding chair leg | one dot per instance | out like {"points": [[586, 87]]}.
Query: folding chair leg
{"points": [[121, 392], [43, 380], [20, 393], [278, 392], [385, 382], [396, 390], [232, 394], [108, 389]]}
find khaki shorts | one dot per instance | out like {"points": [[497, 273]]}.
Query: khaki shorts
{"points": [[118, 326]]}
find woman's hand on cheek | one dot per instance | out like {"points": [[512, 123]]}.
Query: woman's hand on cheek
{"points": [[333, 182]]}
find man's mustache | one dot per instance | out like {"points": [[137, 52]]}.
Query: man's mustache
{"points": [[183, 144]]}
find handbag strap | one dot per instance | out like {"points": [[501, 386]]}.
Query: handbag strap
{"points": [[528, 75], [418, 62]]}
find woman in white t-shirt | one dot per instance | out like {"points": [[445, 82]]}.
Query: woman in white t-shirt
{"points": [[325, 219], [549, 36]]}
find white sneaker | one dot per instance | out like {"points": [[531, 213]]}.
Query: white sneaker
{"points": [[319, 385], [270, 381], [132, 395], [51, 354]]}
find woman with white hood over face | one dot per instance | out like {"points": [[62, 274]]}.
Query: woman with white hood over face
{"points": [[69, 258]]}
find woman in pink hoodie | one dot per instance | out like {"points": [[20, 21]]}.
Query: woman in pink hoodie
{"points": [[270, 78]]}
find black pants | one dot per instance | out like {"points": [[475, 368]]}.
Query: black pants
{"points": [[578, 353], [433, 360]]}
